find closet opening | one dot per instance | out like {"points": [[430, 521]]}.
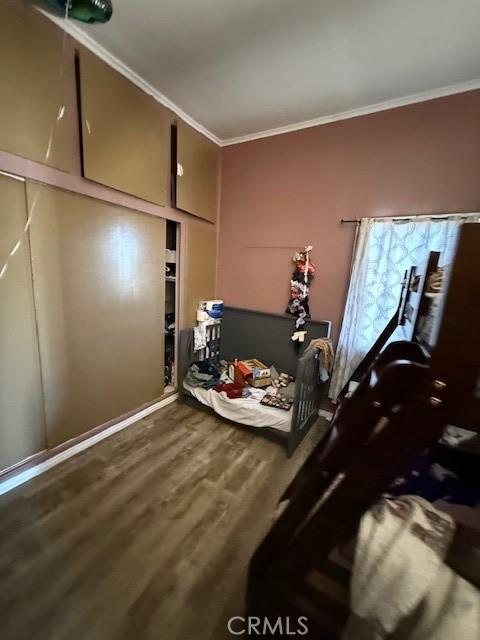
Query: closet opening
{"points": [[171, 289]]}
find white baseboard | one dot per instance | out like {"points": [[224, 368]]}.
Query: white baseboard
{"points": [[45, 465]]}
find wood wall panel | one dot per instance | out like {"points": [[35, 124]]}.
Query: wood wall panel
{"points": [[201, 250], [125, 133], [37, 80], [99, 278], [197, 187], [22, 425]]}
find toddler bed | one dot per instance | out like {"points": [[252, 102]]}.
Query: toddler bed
{"points": [[269, 335], [246, 411]]}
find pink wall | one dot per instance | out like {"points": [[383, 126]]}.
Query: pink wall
{"points": [[283, 192]]}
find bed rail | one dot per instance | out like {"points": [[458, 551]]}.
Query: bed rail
{"points": [[309, 390]]}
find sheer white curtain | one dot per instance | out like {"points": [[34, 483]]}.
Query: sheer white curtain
{"points": [[385, 248]]}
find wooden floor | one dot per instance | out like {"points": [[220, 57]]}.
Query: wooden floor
{"points": [[145, 535]]}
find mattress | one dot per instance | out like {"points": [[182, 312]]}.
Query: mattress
{"points": [[242, 410]]}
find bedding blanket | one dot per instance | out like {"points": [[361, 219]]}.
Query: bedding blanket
{"points": [[401, 588], [247, 411]]}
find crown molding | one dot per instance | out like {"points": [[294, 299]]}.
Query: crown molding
{"points": [[87, 41], [360, 111]]}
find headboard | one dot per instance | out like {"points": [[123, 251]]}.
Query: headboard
{"points": [[266, 336]]}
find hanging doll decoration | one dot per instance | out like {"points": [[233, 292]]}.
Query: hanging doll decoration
{"points": [[299, 286]]}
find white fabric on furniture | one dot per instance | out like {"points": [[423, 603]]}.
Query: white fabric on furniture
{"points": [[242, 410], [199, 337], [401, 587]]}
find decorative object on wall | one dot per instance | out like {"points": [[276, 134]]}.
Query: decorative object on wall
{"points": [[299, 288], [85, 10]]}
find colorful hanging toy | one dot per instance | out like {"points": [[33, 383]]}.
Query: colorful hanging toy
{"points": [[89, 11], [299, 286]]}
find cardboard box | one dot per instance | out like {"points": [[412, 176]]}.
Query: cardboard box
{"points": [[259, 383], [256, 373], [252, 371], [256, 369]]}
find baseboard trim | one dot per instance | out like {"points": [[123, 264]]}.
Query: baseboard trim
{"points": [[35, 470]]}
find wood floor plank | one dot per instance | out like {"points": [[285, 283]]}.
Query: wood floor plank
{"points": [[146, 535]]}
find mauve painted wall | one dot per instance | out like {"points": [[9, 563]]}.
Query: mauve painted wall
{"points": [[289, 190]]}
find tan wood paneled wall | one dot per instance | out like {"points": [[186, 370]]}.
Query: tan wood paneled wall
{"points": [[99, 290], [90, 291], [125, 133], [126, 142], [22, 425], [37, 84], [200, 269], [197, 187]]}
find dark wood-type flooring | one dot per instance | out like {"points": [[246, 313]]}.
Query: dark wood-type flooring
{"points": [[146, 535]]}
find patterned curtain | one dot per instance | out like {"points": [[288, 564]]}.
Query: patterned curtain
{"points": [[385, 249]]}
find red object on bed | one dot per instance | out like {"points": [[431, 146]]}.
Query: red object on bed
{"points": [[232, 389]]}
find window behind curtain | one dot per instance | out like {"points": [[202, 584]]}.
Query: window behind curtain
{"points": [[385, 250]]}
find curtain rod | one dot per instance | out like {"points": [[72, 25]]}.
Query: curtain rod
{"points": [[414, 217]]}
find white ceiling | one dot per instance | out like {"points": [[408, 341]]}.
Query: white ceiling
{"points": [[240, 67]]}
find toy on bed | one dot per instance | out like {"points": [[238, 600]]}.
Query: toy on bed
{"points": [[276, 400]]}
